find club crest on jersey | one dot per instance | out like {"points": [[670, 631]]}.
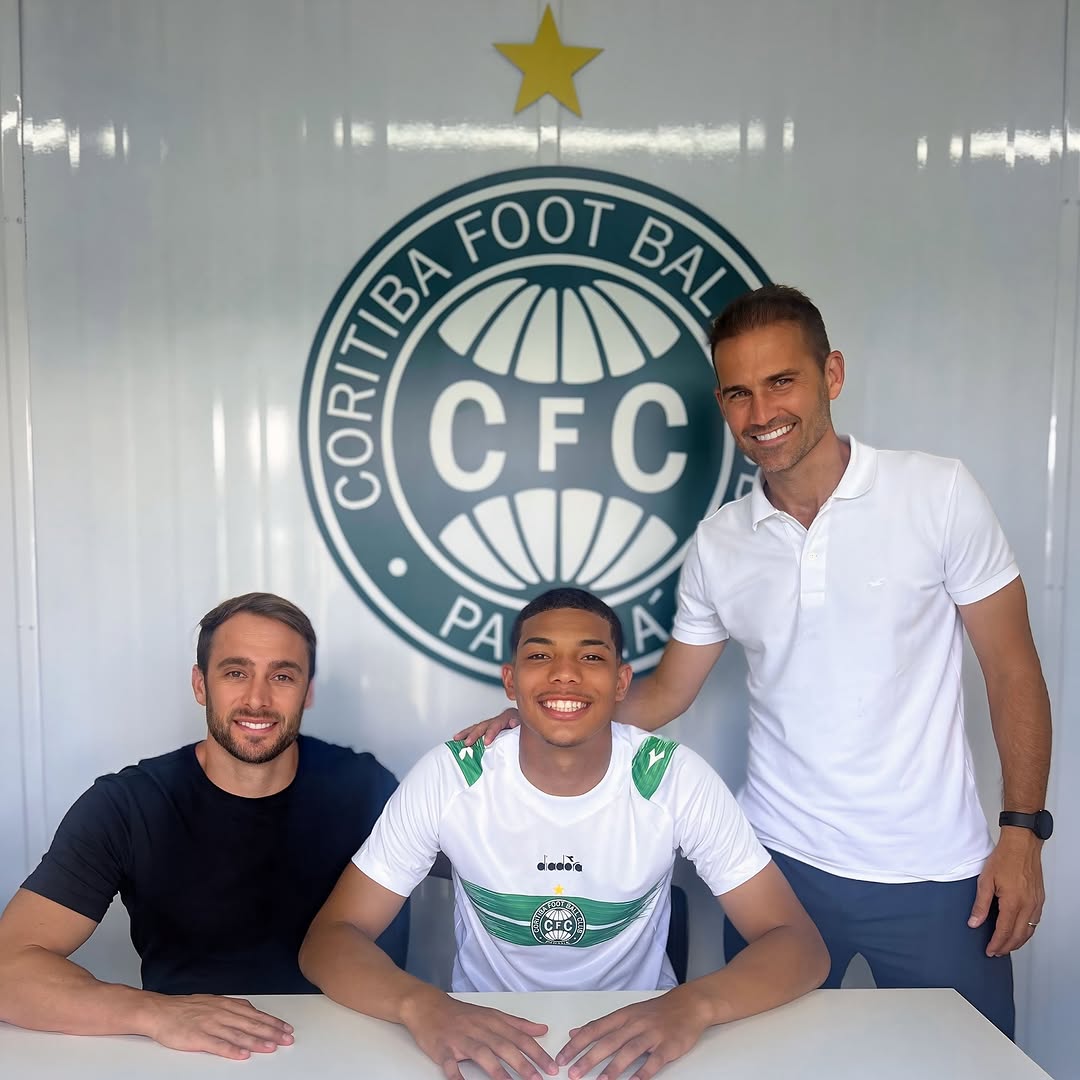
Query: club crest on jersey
{"points": [[511, 392], [558, 922]]}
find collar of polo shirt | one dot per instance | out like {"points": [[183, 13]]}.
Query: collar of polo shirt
{"points": [[857, 480]]}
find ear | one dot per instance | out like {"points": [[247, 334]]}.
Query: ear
{"points": [[309, 697], [834, 374], [622, 681], [198, 685], [508, 681], [716, 388]]}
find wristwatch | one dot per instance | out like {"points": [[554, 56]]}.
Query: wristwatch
{"points": [[1041, 824]]}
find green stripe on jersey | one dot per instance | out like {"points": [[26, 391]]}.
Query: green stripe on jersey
{"points": [[554, 920], [650, 763], [468, 758]]}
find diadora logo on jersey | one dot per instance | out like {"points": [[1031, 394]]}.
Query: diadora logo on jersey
{"points": [[511, 392], [558, 922], [565, 862]]}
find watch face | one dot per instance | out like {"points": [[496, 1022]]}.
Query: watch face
{"points": [[1044, 824]]}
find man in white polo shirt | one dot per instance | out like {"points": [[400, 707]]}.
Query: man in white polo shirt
{"points": [[848, 575]]}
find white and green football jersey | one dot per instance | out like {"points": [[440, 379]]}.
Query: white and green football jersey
{"points": [[556, 893]]}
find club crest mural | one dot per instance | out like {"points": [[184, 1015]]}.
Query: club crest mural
{"points": [[510, 392]]}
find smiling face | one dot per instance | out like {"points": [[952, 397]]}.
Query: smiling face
{"points": [[566, 677], [255, 688], [774, 395]]}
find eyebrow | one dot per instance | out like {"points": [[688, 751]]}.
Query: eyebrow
{"points": [[584, 641], [768, 378], [244, 662]]}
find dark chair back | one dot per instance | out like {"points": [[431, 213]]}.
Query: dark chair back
{"points": [[678, 935]]}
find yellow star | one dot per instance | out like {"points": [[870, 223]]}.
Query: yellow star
{"points": [[558, 890], [547, 66]]}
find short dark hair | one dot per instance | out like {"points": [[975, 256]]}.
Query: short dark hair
{"points": [[255, 603], [576, 599], [767, 306]]}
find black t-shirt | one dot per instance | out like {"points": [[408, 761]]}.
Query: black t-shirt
{"points": [[220, 889]]}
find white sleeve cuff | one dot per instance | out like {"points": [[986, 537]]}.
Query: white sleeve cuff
{"points": [[988, 587]]}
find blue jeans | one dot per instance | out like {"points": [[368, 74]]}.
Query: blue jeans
{"points": [[911, 935]]}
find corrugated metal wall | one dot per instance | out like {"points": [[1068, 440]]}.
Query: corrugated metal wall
{"points": [[199, 179]]}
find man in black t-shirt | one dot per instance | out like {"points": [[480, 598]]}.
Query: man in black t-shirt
{"points": [[222, 852]]}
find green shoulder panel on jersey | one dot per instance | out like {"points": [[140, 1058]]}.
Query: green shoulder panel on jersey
{"points": [[468, 758], [650, 764]]}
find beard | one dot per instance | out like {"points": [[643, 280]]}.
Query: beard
{"points": [[224, 733], [811, 430]]}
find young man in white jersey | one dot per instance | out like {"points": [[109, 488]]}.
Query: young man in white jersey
{"points": [[623, 803]]}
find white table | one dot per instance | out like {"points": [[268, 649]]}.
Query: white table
{"points": [[827, 1035]]}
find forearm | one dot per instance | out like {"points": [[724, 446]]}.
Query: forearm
{"points": [[1000, 633], [645, 706], [781, 965], [349, 967], [1020, 715], [657, 699], [46, 992]]}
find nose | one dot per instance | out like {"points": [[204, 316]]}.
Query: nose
{"points": [[256, 693], [761, 414], [565, 670]]}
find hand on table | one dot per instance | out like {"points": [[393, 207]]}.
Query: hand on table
{"points": [[488, 729], [450, 1031], [227, 1027], [1012, 873], [661, 1029]]}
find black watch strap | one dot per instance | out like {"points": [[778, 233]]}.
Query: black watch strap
{"points": [[1041, 823]]}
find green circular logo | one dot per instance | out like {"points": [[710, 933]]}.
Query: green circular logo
{"points": [[558, 922], [511, 392]]}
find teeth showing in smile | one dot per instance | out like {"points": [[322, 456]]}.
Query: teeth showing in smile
{"points": [[254, 726], [563, 706], [769, 436]]}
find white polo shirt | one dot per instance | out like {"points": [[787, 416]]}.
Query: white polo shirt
{"points": [[858, 762]]}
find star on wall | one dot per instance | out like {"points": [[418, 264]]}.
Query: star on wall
{"points": [[548, 66]]}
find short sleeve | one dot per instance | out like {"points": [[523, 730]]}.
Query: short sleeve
{"points": [[710, 829], [405, 840], [89, 856], [379, 785], [978, 558], [697, 621]]}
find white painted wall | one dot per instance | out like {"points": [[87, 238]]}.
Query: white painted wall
{"points": [[200, 177], [17, 724]]}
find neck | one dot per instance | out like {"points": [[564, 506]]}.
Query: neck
{"points": [[564, 770], [804, 489], [243, 778]]}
